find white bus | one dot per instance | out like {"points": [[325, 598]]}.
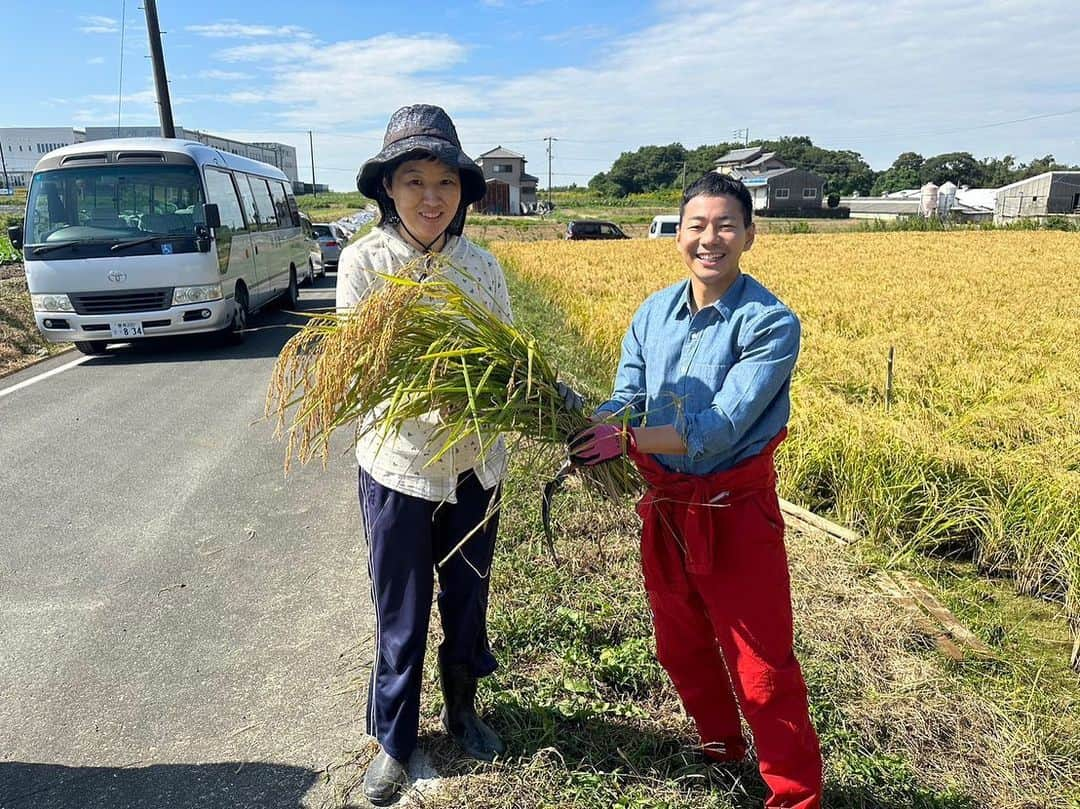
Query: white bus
{"points": [[141, 237]]}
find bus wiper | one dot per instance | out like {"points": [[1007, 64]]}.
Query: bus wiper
{"points": [[137, 242], [48, 248]]}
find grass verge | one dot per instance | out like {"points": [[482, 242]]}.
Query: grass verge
{"points": [[20, 341]]}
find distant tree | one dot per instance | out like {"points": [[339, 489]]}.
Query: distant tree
{"points": [[647, 169], [999, 171], [600, 184], [903, 173], [958, 167], [1041, 165], [702, 160], [845, 172]]}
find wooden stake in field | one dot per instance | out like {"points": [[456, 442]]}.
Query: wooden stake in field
{"points": [[889, 379]]}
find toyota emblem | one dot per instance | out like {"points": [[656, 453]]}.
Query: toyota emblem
{"points": [[117, 276]]}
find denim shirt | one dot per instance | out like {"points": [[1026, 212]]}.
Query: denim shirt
{"points": [[722, 376]]}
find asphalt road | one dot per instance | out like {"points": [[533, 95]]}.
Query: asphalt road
{"points": [[180, 624]]}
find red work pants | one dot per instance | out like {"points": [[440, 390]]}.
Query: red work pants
{"points": [[719, 588]]}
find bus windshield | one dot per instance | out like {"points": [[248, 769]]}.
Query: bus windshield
{"points": [[109, 204]]}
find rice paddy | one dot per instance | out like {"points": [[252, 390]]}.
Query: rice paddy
{"points": [[976, 452]]}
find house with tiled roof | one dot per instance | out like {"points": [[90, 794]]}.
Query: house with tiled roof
{"points": [[776, 187], [510, 189]]}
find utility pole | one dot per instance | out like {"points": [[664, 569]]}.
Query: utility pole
{"points": [[684, 177], [549, 139], [4, 164], [311, 144], [743, 135], [120, 89], [161, 83]]}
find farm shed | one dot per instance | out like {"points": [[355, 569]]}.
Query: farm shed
{"points": [[496, 199], [1053, 193]]}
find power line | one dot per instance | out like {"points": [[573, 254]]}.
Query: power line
{"points": [[967, 128]]}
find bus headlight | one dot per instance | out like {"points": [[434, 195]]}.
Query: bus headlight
{"points": [[51, 303], [199, 294]]}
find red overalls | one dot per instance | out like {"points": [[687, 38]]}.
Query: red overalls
{"points": [[712, 551]]}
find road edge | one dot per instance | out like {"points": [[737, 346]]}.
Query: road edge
{"points": [[33, 362]]}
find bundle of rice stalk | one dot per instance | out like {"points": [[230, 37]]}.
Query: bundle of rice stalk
{"points": [[412, 348]]}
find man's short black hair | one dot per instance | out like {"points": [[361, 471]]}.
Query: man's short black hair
{"points": [[715, 184]]}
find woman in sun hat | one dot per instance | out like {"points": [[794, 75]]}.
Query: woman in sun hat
{"points": [[416, 508]]}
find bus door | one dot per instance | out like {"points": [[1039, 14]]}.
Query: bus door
{"points": [[270, 263], [235, 251], [261, 247]]}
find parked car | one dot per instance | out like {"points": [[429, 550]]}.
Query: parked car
{"points": [[665, 226], [593, 229], [330, 240], [312, 246]]}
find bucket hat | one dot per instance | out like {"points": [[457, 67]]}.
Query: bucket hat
{"points": [[419, 129]]}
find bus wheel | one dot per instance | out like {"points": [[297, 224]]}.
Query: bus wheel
{"points": [[234, 334], [291, 298], [92, 348]]}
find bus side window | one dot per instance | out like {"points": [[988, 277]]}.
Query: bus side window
{"points": [[294, 210], [264, 204], [220, 190], [281, 204], [246, 196]]}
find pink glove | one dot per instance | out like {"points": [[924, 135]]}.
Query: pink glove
{"points": [[601, 443]]}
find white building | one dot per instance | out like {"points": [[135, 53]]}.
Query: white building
{"points": [[276, 154], [23, 147]]}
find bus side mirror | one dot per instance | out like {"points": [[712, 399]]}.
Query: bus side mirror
{"points": [[15, 236], [211, 215]]}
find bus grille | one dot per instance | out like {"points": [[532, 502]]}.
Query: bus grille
{"points": [[107, 303]]}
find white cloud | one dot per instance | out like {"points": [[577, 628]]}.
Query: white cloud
{"points": [[234, 30], [225, 75], [873, 76], [96, 60], [141, 97], [330, 85], [94, 24]]}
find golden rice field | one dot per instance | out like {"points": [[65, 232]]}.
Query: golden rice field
{"points": [[979, 453]]}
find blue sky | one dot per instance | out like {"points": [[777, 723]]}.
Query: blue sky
{"points": [[871, 76]]}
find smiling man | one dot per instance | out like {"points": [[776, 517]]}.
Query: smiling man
{"points": [[701, 402]]}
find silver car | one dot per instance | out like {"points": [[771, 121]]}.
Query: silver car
{"points": [[330, 241]]}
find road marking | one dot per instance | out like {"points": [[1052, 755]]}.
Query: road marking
{"points": [[40, 377]]}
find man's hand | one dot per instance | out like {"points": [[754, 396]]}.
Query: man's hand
{"points": [[601, 443]]}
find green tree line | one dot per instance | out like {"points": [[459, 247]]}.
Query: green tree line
{"points": [[653, 168]]}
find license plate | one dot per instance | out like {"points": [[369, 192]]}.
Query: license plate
{"points": [[126, 328]]}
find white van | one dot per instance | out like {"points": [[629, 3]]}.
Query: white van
{"points": [[664, 227], [141, 237]]}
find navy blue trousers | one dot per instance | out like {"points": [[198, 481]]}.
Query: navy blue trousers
{"points": [[406, 537]]}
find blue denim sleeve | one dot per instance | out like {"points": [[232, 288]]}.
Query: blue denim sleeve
{"points": [[629, 389], [768, 353]]}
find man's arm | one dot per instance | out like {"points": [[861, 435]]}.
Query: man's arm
{"points": [[629, 387]]}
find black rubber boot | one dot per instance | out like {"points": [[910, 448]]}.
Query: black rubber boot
{"points": [[384, 779], [459, 714]]}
